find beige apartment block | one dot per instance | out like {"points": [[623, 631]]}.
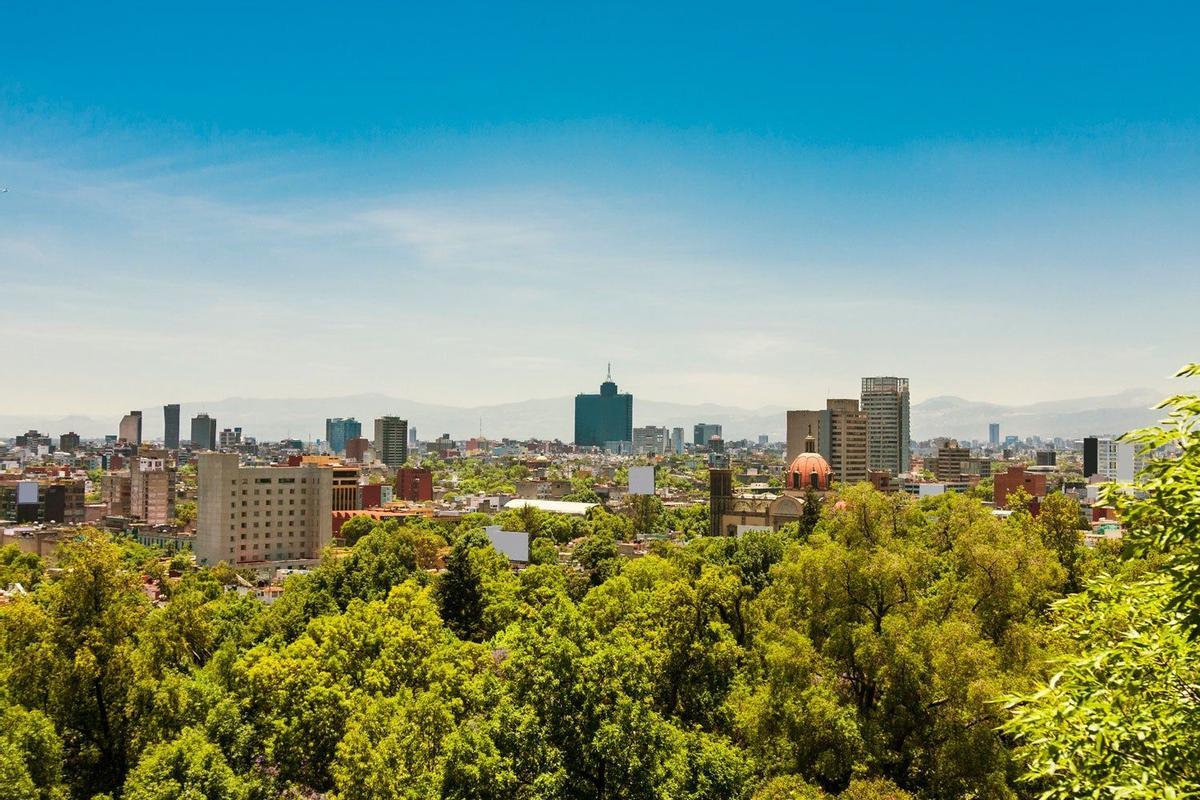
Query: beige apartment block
{"points": [[249, 515]]}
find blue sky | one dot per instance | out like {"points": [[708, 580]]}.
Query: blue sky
{"points": [[478, 203]]}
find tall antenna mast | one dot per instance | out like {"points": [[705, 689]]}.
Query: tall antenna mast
{"points": [[609, 371]]}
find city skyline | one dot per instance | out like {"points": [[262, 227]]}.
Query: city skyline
{"points": [[917, 194]]}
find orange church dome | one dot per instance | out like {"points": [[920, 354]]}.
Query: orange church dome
{"points": [[810, 470]]}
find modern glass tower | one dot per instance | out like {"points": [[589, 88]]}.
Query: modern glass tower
{"points": [[604, 417], [339, 430], [171, 426]]}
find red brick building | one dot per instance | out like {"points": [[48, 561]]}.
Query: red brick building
{"points": [[414, 484], [1017, 478], [357, 448]]}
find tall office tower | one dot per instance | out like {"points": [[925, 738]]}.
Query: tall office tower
{"points": [[840, 433], [650, 440], [68, 442], [391, 441], [994, 434], [152, 487], [412, 438], [885, 399], [171, 426], [339, 430], [605, 417], [130, 430], [204, 432], [677, 441], [702, 432], [257, 514]]}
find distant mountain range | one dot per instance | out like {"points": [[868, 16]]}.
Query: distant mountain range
{"points": [[273, 419]]}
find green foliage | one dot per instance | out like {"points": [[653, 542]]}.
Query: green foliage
{"points": [[20, 567], [473, 591], [30, 756], [189, 767], [1120, 718], [859, 658], [355, 528], [185, 512], [1121, 714], [1169, 518]]}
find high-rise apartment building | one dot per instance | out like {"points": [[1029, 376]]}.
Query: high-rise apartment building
{"points": [[994, 434], [391, 441], [650, 440], [171, 426], [702, 432], [68, 442], [1111, 460], [339, 431], [847, 451], [258, 514], [130, 430], [116, 492], [152, 487], [952, 461], [604, 417], [840, 434], [885, 401], [204, 432]]}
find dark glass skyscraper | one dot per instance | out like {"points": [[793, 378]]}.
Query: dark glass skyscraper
{"points": [[604, 417], [204, 432], [171, 426]]}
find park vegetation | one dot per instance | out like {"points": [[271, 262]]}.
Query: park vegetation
{"points": [[885, 648]]}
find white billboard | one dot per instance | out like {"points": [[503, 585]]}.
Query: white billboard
{"points": [[641, 480], [514, 545], [27, 493]]}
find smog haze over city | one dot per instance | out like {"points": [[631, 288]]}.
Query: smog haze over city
{"points": [[484, 203]]}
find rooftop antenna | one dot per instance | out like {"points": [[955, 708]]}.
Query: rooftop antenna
{"points": [[609, 378]]}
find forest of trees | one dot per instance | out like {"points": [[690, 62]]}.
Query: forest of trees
{"points": [[897, 649]]}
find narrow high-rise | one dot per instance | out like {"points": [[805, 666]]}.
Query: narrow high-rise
{"points": [[885, 401], [391, 441], [994, 434], [171, 426]]}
